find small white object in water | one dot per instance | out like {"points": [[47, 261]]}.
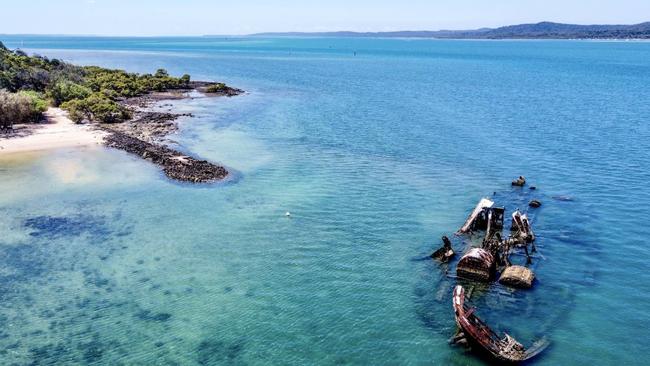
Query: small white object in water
{"points": [[288, 214]]}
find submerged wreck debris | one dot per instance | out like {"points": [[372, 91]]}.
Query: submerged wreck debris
{"points": [[445, 253], [519, 182], [563, 198], [521, 228], [476, 333], [517, 276], [535, 204], [478, 264], [473, 217], [494, 223], [484, 217]]}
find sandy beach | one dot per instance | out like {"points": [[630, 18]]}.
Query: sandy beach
{"points": [[57, 132]]}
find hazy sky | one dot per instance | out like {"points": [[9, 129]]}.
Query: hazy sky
{"points": [[199, 17]]}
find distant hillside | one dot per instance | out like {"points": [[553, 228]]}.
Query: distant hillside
{"points": [[543, 30]]}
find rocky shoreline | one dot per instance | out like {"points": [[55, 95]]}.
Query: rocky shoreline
{"points": [[176, 165], [143, 135]]}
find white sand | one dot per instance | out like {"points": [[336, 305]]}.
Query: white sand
{"points": [[58, 132]]}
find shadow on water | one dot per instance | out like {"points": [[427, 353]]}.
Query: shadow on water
{"points": [[528, 315], [55, 227], [55, 249], [218, 352]]}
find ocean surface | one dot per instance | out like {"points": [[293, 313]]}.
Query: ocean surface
{"points": [[378, 148]]}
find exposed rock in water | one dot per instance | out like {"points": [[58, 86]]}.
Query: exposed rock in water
{"points": [[142, 135], [148, 126], [519, 182], [445, 253], [224, 90], [176, 165]]}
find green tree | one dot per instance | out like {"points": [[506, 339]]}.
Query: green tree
{"points": [[161, 73], [64, 91], [97, 107]]}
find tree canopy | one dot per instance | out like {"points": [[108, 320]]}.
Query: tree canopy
{"points": [[88, 93]]}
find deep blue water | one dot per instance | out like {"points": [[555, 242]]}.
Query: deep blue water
{"points": [[377, 147]]}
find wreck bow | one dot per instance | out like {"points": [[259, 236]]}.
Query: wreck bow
{"points": [[505, 349]]}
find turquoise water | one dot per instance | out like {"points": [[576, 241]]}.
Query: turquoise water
{"points": [[377, 155]]}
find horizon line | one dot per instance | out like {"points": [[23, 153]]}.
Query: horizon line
{"points": [[303, 32]]}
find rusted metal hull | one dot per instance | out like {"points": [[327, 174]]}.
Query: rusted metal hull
{"points": [[477, 264], [504, 349]]}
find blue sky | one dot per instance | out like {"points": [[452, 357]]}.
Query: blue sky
{"points": [[199, 17]]}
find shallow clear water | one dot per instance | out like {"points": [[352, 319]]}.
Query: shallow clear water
{"points": [[377, 155]]}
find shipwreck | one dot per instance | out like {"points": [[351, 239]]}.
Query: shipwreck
{"points": [[486, 259], [474, 332]]}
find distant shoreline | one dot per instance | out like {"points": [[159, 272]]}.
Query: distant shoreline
{"points": [[542, 30], [380, 36]]}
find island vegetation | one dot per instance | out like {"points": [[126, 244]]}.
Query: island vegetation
{"points": [[29, 84], [216, 88], [115, 101]]}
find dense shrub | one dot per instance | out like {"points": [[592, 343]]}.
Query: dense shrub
{"points": [[20, 108], [216, 88], [120, 84], [116, 82], [19, 71], [64, 91], [96, 107], [88, 93], [39, 103]]}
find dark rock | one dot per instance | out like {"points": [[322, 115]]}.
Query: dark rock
{"points": [[176, 166], [519, 182], [445, 253], [226, 91], [140, 135], [535, 204]]}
